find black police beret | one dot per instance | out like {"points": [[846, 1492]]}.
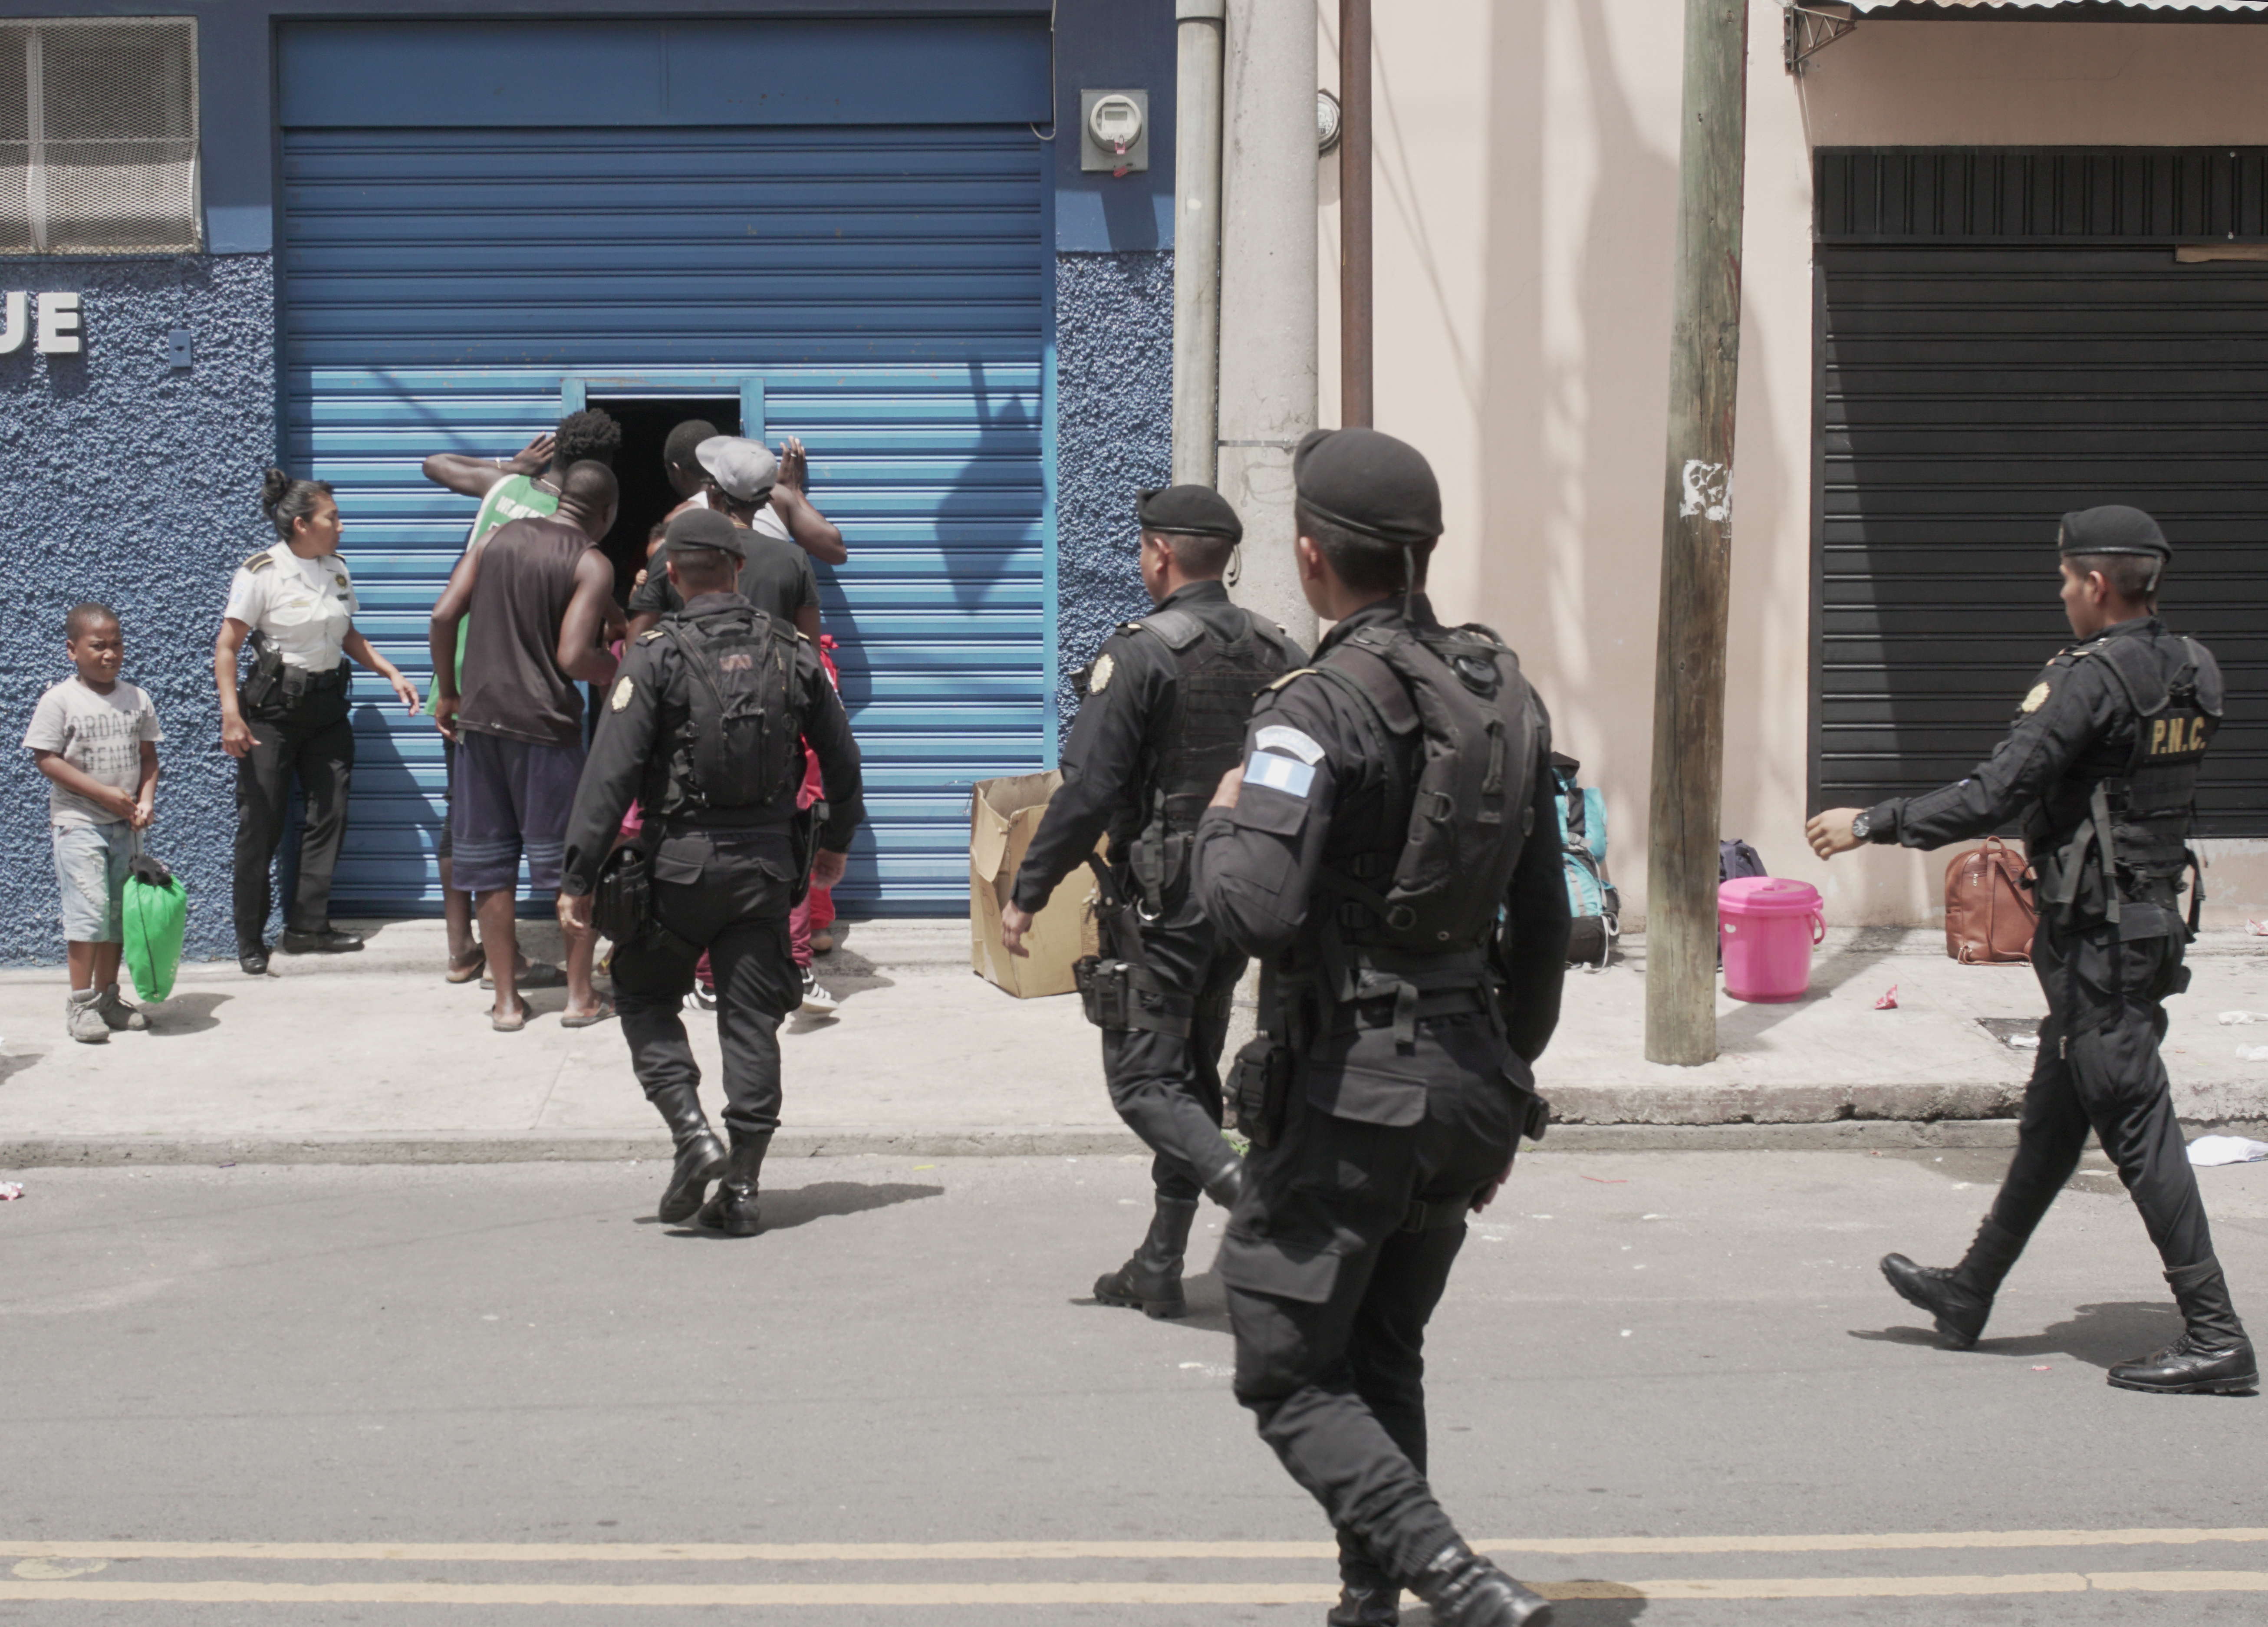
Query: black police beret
{"points": [[1373, 484], [698, 528], [2113, 528], [1191, 510]]}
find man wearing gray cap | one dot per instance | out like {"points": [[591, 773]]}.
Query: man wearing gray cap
{"points": [[776, 575], [1386, 848], [1161, 714], [2102, 763], [704, 727]]}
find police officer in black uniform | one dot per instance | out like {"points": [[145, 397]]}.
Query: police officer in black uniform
{"points": [[1388, 847], [1163, 714], [2102, 763], [701, 726]]}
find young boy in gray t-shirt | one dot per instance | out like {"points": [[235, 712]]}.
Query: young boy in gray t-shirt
{"points": [[96, 738]]}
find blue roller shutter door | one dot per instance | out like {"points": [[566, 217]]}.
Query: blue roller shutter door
{"points": [[886, 292]]}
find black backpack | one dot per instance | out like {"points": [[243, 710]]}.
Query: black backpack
{"points": [[1470, 807], [742, 744]]}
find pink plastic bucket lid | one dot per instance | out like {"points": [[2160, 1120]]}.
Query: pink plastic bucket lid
{"points": [[1766, 895]]}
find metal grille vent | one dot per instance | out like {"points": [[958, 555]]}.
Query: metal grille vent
{"points": [[98, 135]]}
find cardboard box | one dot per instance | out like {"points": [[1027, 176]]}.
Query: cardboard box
{"points": [[1004, 815]]}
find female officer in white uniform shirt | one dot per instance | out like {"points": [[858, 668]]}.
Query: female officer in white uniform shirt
{"points": [[297, 603]]}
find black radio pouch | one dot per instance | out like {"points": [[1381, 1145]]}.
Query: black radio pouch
{"points": [[1260, 1089], [1105, 991]]}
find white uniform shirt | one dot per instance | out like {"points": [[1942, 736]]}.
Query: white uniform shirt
{"points": [[305, 607]]}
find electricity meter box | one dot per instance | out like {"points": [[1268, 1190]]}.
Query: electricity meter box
{"points": [[1113, 130]]}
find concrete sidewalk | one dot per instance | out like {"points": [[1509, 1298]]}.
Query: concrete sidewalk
{"points": [[372, 1057]]}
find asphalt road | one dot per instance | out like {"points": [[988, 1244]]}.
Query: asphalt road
{"points": [[1668, 1387]]}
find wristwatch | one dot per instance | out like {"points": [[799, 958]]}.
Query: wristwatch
{"points": [[1862, 828]]}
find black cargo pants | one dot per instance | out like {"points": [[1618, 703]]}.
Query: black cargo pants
{"points": [[1166, 1087], [1335, 1259], [726, 892], [2099, 1069], [306, 736]]}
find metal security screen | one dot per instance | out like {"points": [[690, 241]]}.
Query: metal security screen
{"points": [[1967, 396], [882, 293], [98, 135]]}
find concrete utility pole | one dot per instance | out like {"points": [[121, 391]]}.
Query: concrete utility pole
{"points": [[1268, 305], [1197, 240], [1355, 367], [1697, 537]]}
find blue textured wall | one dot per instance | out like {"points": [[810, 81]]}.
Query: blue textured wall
{"points": [[123, 479], [1114, 433]]}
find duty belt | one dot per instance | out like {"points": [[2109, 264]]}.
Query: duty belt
{"points": [[298, 681]]}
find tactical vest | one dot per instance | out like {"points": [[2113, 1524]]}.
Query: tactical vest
{"points": [[1197, 738], [740, 744], [2125, 863], [1459, 727]]}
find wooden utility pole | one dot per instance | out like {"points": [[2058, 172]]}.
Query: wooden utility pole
{"points": [[1696, 538], [1355, 353]]}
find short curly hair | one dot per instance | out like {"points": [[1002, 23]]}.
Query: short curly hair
{"points": [[592, 434]]}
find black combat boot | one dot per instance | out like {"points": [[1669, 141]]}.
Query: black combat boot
{"points": [[1151, 1278], [1366, 1599], [734, 1210], [1959, 1299], [1465, 1590], [700, 1155], [2213, 1357]]}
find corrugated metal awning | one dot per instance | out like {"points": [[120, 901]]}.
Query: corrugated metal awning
{"points": [[1810, 26], [1883, 8]]}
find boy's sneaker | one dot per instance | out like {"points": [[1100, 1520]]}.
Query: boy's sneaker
{"points": [[704, 998], [117, 1013], [83, 1017], [816, 1000]]}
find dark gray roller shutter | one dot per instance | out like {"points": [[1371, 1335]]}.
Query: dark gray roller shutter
{"points": [[1969, 393]]}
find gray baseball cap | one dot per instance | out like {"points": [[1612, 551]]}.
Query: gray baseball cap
{"points": [[744, 469]]}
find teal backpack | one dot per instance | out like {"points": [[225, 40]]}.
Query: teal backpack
{"points": [[1592, 901]]}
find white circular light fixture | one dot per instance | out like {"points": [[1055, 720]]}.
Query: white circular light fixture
{"points": [[1327, 121]]}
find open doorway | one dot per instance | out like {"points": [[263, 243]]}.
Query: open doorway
{"points": [[646, 492]]}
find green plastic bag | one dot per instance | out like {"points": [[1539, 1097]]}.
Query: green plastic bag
{"points": [[156, 912]]}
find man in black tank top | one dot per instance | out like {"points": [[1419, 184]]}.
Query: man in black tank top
{"points": [[1162, 717]]}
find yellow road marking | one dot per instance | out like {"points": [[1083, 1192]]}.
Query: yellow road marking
{"points": [[937, 1595], [653, 1553]]}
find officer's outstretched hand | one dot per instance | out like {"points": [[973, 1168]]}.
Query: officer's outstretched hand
{"points": [[1014, 924], [574, 913], [826, 868], [1829, 833]]}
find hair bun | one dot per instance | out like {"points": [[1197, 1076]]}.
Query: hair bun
{"points": [[275, 486]]}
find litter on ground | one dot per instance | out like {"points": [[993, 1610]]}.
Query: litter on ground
{"points": [[2211, 1150]]}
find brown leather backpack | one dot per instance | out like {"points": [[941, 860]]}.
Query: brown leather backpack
{"points": [[1989, 916]]}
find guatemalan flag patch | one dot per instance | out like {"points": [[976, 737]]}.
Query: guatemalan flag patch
{"points": [[1284, 774]]}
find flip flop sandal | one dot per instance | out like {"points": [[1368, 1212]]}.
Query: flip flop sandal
{"points": [[510, 1025], [568, 1019], [538, 975], [465, 971]]}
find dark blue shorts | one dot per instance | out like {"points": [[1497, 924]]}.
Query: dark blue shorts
{"points": [[512, 798]]}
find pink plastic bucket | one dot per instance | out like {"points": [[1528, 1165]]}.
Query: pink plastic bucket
{"points": [[1767, 928]]}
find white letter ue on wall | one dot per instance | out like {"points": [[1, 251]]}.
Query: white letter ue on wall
{"points": [[59, 325]]}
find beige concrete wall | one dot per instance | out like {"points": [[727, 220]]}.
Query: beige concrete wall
{"points": [[1526, 183]]}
